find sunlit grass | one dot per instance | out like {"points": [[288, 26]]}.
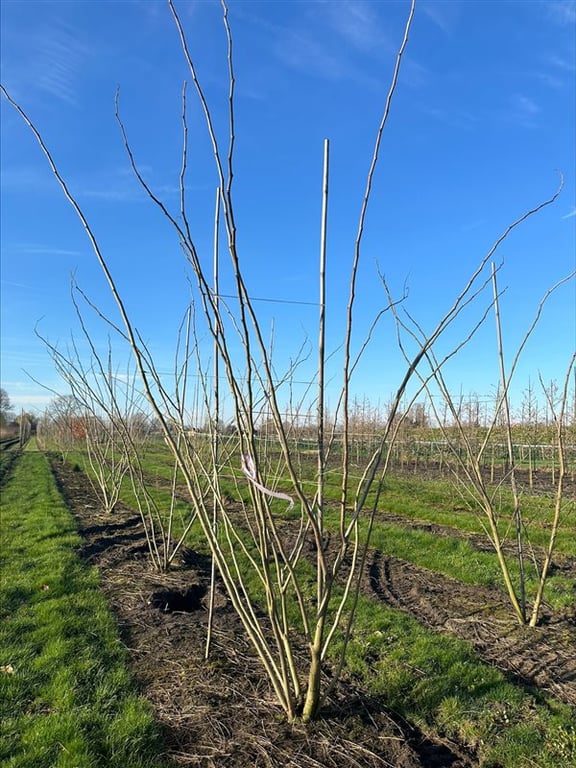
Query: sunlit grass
{"points": [[438, 683], [432, 680], [422, 501], [67, 698], [439, 502]]}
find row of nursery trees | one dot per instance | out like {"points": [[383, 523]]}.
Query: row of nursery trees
{"points": [[272, 475], [420, 443], [531, 425]]}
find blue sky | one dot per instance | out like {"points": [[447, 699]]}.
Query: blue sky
{"points": [[482, 121]]}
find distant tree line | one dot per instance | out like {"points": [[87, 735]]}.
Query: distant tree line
{"points": [[9, 422]]}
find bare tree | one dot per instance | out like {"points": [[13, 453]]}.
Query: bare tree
{"points": [[290, 523], [559, 410], [62, 424], [468, 455], [105, 414], [98, 407], [6, 411]]}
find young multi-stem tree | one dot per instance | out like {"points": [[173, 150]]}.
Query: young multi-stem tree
{"points": [[101, 413], [469, 457], [112, 428], [303, 569]]}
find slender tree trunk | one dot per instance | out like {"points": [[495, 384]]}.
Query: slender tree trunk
{"points": [[313, 697]]}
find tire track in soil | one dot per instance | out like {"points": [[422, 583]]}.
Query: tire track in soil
{"points": [[542, 656]]}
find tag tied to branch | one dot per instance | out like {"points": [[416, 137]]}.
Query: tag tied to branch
{"points": [[250, 471]]}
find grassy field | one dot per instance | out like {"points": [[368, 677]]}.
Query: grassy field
{"points": [[420, 501], [67, 698], [438, 683], [70, 700]]}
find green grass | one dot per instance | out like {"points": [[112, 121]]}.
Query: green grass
{"points": [[423, 501], [66, 695], [7, 459], [438, 502], [438, 683], [434, 681]]}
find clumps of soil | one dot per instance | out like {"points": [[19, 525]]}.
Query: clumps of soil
{"points": [[180, 601]]}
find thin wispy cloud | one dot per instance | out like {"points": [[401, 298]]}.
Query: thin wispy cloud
{"points": [[563, 63], [357, 24], [11, 284], [21, 354], [335, 41], [313, 56], [120, 187], [52, 61], [112, 193], [522, 110], [452, 117], [115, 184], [62, 56], [550, 81], [28, 249], [472, 225], [555, 71], [562, 11], [27, 177], [152, 10], [413, 74], [302, 53], [525, 105], [442, 14], [571, 214]]}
